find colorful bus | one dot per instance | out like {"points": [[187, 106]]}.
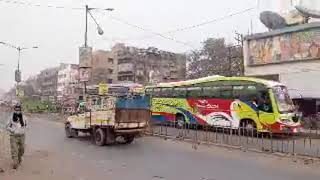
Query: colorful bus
{"points": [[233, 102]]}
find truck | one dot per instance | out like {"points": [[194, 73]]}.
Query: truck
{"points": [[108, 118]]}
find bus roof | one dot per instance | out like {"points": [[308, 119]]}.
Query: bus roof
{"points": [[267, 83]]}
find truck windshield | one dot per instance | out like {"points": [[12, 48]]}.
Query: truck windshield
{"points": [[283, 99]]}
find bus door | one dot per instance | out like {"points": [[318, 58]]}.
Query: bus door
{"points": [[266, 110]]}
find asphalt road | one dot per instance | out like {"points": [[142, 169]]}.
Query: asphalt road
{"points": [[52, 156]]}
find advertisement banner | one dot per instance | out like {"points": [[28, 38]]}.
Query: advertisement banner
{"points": [[84, 74], [85, 57]]}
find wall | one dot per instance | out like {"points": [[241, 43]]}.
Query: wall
{"points": [[295, 46], [292, 53]]}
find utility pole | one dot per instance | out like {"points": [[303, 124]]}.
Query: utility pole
{"points": [[18, 72], [86, 30], [239, 38], [86, 51]]}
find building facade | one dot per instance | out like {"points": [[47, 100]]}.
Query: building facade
{"points": [[48, 82], [104, 68], [290, 55], [67, 87], [145, 66]]}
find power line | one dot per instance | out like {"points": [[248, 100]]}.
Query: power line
{"points": [[201, 24], [16, 2], [150, 31]]}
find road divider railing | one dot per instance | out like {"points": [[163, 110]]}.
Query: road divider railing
{"points": [[305, 143]]}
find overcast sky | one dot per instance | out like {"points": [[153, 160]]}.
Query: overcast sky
{"points": [[59, 32]]}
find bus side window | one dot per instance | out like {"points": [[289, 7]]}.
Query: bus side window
{"points": [[166, 92], [226, 92], [179, 92], [211, 92], [149, 91], [156, 92], [194, 92]]}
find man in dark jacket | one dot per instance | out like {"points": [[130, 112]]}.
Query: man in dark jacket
{"points": [[16, 127]]}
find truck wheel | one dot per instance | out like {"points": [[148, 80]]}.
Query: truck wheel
{"points": [[68, 130], [128, 139], [100, 137]]}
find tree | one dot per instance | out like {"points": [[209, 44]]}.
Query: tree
{"points": [[215, 58]]}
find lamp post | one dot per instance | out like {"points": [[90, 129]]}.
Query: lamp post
{"points": [[100, 31], [19, 49], [86, 52]]}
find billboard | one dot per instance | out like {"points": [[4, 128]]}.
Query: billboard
{"points": [[84, 74], [85, 57], [286, 47]]}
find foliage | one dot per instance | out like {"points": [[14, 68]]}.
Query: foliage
{"points": [[215, 58]]}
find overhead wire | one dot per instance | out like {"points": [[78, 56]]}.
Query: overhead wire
{"points": [[162, 35]]}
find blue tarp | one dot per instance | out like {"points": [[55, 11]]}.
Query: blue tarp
{"points": [[136, 102]]}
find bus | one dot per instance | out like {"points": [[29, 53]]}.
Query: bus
{"points": [[232, 102]]}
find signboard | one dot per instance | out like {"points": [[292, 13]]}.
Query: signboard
{"points": [[19, 92], [287, 47], [103, 89], [84, 74], [85, 57], [17, 76]]}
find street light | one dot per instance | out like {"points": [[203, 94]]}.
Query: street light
{"points": [[19, 49], [100, 30]]}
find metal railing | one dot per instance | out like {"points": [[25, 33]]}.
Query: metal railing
{"points": [[306, 143]]}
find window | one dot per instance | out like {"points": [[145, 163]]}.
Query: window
{"points": [[211, 92], [110, 60], [226, 92], [194, 92], [179, 92], [149, 91], [110, 81], [166, 92], [156, 92]]}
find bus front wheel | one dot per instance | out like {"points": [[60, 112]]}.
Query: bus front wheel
{"points": [[248, 127]]}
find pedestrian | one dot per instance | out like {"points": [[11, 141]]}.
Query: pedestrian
{"points": [[16, 127]]}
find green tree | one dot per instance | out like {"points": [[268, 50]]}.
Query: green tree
{"points": [[215, 58]]}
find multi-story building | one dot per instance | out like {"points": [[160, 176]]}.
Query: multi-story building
{"points": [[67, 87], [290, 55], [146, 66], [104, 68], [48, 81]]}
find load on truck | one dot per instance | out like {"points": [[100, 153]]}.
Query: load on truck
{"points": [[110, 117]]}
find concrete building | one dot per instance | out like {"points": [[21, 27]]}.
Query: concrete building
{"points": [[48, 81], [104, 68], [290, 55], [67, 87], [145, 66]]}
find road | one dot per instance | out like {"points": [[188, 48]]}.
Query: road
{"points": [[52, 156]]}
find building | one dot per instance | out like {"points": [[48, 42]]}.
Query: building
{"points": [[104, 68], [48, 81], [67, 87], [292, 56], [149, 65]]}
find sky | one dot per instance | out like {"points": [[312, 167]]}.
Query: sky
{"points": [[59, 32]]}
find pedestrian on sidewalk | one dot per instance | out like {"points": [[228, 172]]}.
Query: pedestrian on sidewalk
{"points": [[16, 127]]}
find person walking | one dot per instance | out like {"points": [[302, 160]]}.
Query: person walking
{"points": [[16, 127]]}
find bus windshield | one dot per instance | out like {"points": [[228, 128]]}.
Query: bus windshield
{"points": [[283, 99]]}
